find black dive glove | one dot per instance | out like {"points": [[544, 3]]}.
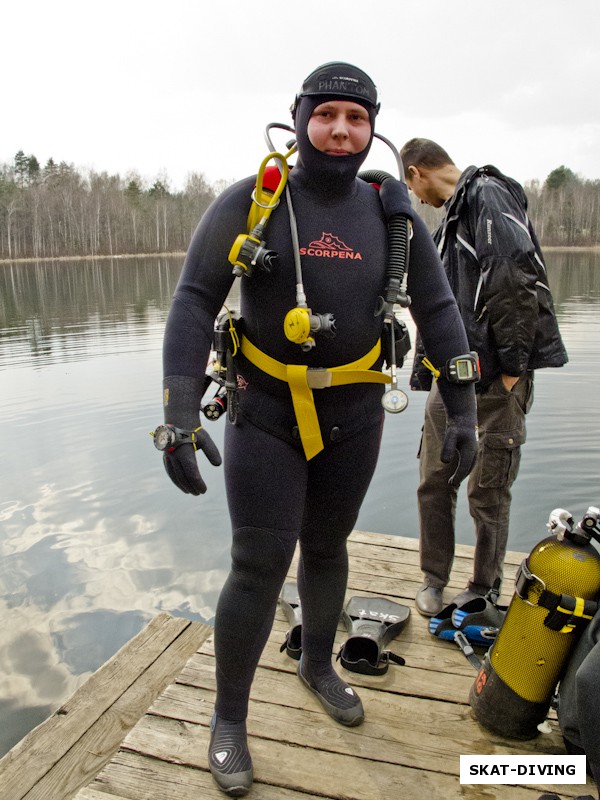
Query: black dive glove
{"points": [[461, 428], [181, 400]]}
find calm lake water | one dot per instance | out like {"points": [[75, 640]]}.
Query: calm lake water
{"points": [[94, 538]]}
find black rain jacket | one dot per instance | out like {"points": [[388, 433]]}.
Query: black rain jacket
{"points": [[496, 270]]}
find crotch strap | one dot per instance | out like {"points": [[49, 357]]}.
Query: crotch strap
{"points": [[302, 380]]}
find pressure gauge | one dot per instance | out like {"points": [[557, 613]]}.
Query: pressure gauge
{"points": [[394, 401]]}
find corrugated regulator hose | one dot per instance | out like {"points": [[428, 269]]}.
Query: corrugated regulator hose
{"points": [[399, 240]]}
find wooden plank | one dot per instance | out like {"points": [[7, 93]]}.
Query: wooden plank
{"points": [[405, 564], [53, 749], [313, 770], [513, 557], [415, 644], [131, 776], [404, 680], [94, 794], [415, 732], [404, 589], [431, 654], [101, 741]]}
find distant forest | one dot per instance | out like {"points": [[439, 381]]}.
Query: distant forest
{"points": [[57, 210]]}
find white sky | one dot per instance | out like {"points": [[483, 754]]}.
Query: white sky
{"points": [[175, 86]]}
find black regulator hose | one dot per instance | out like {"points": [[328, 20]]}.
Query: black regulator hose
{"points": [[399, 240], [399, 237]]}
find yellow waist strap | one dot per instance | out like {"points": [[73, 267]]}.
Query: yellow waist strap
{"points": [[303, 380]]}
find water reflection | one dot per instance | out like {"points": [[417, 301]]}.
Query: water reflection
{"points": [[94, 539], [68, 310]]}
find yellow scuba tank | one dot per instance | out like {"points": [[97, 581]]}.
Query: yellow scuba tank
{"points": [[555, 597]]}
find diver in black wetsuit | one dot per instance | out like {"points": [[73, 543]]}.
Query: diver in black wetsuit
{"points": [[281, 488]]}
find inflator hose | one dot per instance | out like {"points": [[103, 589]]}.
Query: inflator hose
{"points": [[399, 237]]}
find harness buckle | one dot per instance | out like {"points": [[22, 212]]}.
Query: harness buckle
{"points": [[318, 377]]}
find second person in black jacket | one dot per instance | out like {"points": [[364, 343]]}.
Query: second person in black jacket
{"points": [[496, 270]]}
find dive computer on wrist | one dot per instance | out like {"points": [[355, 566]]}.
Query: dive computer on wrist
{"points": [[462, 369]]}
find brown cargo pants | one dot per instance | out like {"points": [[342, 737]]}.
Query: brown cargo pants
{"points": [[501, 419]]}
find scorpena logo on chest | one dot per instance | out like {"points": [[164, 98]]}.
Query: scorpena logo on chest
{"points": [[330, 246]]}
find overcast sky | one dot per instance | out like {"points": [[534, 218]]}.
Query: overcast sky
{"points": [[180, 86]]}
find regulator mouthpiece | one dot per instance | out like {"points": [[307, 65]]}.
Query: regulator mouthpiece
{"points": [[249, 252], [323, 324]]}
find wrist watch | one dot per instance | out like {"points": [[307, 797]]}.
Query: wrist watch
{"points": [[168, 437]]}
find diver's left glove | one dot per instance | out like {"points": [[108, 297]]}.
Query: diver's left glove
{"points": [[461, 429], [182, 396]]}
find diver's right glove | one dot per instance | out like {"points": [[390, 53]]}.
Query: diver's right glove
{"points": [[184, 435]]}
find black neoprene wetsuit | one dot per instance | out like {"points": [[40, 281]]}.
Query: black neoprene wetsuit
{"points": [[275, 496]]}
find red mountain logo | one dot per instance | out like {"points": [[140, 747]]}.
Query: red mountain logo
{"points": [[330, 246], [330, 242]]}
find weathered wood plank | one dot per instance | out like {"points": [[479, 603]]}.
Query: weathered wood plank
{"points": [[93, 794], [101, 741], [392, 567], [414, 732], [405, 566], [313, 769], [131, 776], [405, 680], [68, 748], [513, 557]]}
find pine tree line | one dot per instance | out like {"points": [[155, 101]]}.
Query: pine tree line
{"points": [[56, 210], [564, 209]]}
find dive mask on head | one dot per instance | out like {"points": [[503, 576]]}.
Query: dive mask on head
{"points": [[341, 80]]}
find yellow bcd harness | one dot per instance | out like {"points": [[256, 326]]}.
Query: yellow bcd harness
{"points": [[247, 251], [302, 380]]}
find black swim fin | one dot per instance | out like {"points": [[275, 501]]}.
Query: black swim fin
{"points": [[372, 623], [290, 603]]}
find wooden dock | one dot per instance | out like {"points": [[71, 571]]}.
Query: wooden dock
{"points": [[138, 729]]}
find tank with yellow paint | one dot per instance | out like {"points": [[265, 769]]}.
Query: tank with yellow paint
{"points": [[528, 655]]}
